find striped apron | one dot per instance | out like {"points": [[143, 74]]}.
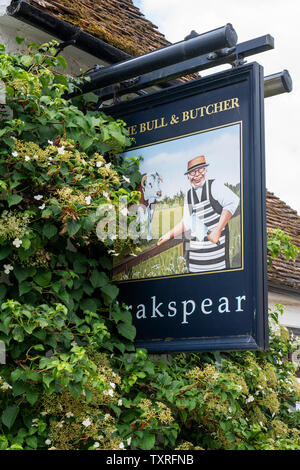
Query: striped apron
{"points": [[203, 255]]}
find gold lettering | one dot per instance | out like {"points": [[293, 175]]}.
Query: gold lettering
{"points": [[163, 123], [194, 113], [132, 130], [235, 103], [142, 127], [207, 112], [185, 116], [150, 125], [218, 107], [226, 105]]}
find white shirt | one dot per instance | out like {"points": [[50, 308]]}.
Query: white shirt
{"points": [[221, 193]]}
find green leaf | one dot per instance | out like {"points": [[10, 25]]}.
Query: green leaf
{"points": [[38, 347], [14, 199], [3, 443], [75, 390], [9, 416], [110, 291], [43, 278], [23, 273], [98, 279], [19, 388], [122, 315], [19, 40], [24, 287], [3, 290], [49, 230], [147, 441], [18, 334], [26, 243], [89, 304], [32, 396], [127, 330], [26, 60], [4, 252], [79, 268], [32, 442], [73, 227]]}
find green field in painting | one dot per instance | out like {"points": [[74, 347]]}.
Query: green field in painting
{"points": [[172, 261]]}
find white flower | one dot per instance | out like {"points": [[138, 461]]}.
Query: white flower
{"points": [[112, 384], [69, 414], [96, 444], [60, 424], [121, 446], [47, 442], [44, 413], [35, 157], [17, 242], [129, 441], [38, 197], [120, 402], [7, 268], [88, 200], [50, 142], [61, 150], [250, 399], [108, 165], [5, 386], [98, 164], [124, 211], [83, 162], [15, 154], [105, 194], [126, 179], [50, 158], [42, 206], [27, 158], [261, 423], [87, 422], [107, 416], [110, 392]]}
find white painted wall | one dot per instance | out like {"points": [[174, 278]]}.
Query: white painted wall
{"points": [[10, 28], [291, 316]]}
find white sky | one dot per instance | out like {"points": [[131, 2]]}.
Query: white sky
{"points": [[251, 19]]}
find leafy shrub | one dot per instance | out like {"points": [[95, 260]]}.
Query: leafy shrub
{"points": [[73, 379]]}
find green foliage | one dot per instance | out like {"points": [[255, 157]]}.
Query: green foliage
{"points": [[73, 378], [279, 243]]}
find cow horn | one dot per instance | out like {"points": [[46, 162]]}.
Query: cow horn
{"points": [[143, 181]]}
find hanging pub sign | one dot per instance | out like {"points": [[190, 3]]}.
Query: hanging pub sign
{"points": [[198, 278]]}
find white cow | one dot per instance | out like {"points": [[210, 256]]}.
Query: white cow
{"points": [[150, 194]]}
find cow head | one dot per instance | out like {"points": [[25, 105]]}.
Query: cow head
{"points": [[151, 187]]}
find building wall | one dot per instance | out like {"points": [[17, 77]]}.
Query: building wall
{"points": [[291, 316], [77, 60]]}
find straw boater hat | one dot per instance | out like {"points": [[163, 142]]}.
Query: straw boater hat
{"points": [[196, 162]]}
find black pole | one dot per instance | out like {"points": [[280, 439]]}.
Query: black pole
{"points": [[205, 43]]}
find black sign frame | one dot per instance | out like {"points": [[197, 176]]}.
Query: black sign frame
{"points": [[232, 330]]}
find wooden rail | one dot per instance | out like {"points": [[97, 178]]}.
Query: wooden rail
{"points": [[127, 263]]}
